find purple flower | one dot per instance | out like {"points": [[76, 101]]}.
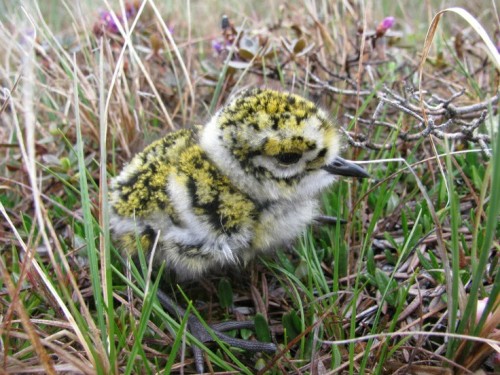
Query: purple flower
{"points": [[217, 46], [130, 10], [27, 37], [108, 22], [385, 25], [388, 22]]}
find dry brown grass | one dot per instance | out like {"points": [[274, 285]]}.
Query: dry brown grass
{"points": [[382, 274]]}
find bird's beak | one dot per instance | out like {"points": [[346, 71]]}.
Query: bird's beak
{"points": [[347, 168]]}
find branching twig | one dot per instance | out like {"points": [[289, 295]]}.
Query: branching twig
{"points": [[444, 120]]}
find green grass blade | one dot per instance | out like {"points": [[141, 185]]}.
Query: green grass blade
{"points": [[92, 251]]}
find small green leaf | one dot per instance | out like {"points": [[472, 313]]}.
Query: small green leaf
{"points": [[391, 259], [292, 325], [302, 269], [382, 280], [225, 293], [389, 287], [285, 262], [262, 328], [260, 364], [371, 265], [424, 261], [246, 333], [65, 164]]}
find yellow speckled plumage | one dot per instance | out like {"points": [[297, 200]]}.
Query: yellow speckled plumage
{"points": [[243, 184]]}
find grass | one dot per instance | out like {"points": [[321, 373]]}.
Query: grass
{"points": [[395, 289]]}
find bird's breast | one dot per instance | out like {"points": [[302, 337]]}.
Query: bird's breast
{"points": [[283, 221]]}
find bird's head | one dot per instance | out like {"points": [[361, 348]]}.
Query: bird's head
{"points": [[276, 144]]}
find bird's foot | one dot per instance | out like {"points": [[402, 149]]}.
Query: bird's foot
{"points": [[198, 330]]}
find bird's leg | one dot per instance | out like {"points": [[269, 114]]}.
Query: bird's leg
{"points": [[198, 330], [328, 220]]}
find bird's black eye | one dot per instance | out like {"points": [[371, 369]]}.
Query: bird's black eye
{"points": [[288, 158]]}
